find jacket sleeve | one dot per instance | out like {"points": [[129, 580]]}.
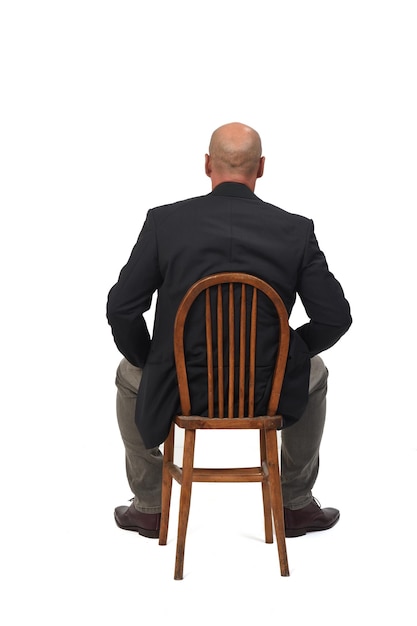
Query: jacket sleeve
{"points": [[131, 296], [323, 300]]}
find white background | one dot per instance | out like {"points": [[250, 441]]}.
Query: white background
{"points": [[106, 111]]}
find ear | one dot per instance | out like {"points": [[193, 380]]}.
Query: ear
{"points": [[261, 168], [207, 165]]}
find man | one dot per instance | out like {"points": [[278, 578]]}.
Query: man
{"points": [[230, 229]]}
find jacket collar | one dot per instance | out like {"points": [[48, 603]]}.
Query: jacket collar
{"points": [[233, 189]]}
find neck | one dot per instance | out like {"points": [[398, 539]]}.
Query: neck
{"points": [[243, 180]]}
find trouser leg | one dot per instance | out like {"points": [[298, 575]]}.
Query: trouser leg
{"points": [[301, 443], [143, 466]]}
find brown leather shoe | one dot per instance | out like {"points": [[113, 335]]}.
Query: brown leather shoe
{"points": [[309, 519], [146, 524]]}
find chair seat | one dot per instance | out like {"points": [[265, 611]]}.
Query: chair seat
{"points": [[197, 422]]}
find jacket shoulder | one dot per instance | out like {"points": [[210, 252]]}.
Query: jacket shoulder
{"points": [[166, 209], [295, 218]]}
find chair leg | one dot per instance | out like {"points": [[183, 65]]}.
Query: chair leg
{"points": [[276, 498], [185, 499], [266, 496], [166, 485]]}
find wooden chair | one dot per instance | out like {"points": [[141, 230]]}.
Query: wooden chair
{"points": [[235, 355]]}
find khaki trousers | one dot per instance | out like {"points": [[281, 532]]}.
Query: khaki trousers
{"points": [[300, 443]]}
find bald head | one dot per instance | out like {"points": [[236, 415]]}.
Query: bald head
{"points": [[235, 155]]}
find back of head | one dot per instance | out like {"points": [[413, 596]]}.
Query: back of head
{"points": [[235, 153], [235, 147]]}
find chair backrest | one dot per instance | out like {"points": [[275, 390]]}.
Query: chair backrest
{"points": [[231, 299]]}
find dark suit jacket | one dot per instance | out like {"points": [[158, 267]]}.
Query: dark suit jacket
{"points": [[230, 229]]}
